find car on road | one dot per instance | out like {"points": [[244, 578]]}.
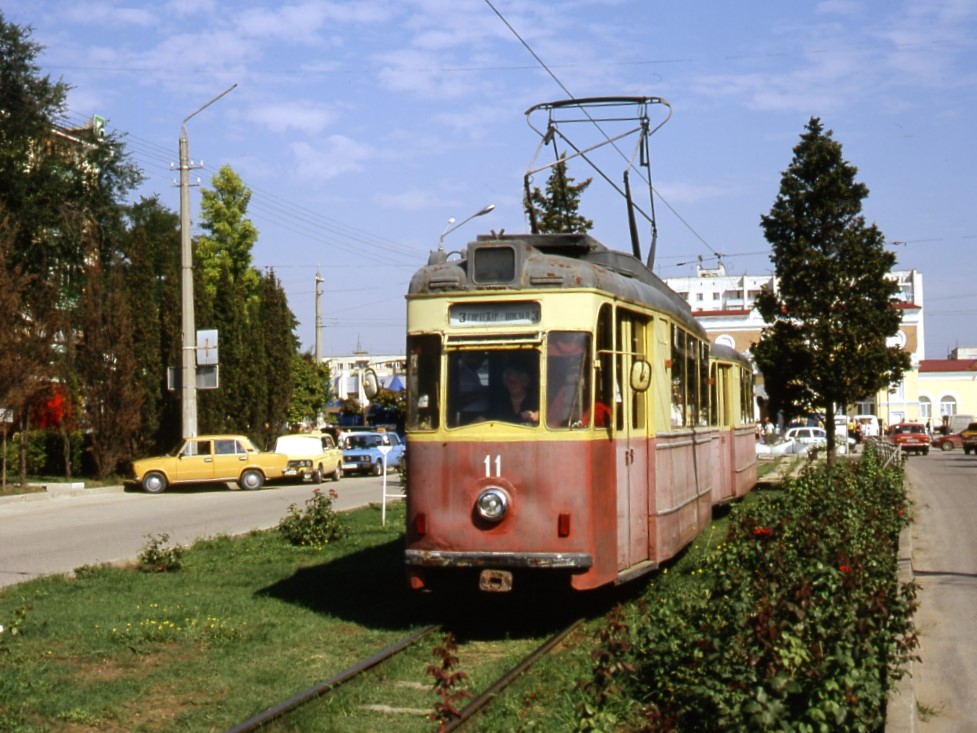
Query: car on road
{"points": [[313, 455], [910, 437], [809, 435], [816, 436], [210, 458], [362, 454], [968, 438], [948, 442]]}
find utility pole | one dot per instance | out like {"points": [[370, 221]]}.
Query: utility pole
{"points": [[188, 380], [318, 317]]}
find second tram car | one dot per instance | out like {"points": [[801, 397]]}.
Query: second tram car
{"points": [[567, 418]]}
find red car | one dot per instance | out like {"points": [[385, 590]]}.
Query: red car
{"points": [[948, 442], [911, 437]]}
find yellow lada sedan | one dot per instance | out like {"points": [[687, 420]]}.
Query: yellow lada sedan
{"points": [[206, 458]]}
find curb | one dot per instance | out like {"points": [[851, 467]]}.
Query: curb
{"points": [[57, 491]]}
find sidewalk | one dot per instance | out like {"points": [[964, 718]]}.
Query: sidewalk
{"points": [[59, 490]]}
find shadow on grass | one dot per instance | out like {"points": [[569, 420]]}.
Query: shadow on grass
{"points": [[369, 588]]}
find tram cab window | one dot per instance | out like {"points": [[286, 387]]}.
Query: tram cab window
{"points": [[568, 375], [468, 387], [423, 381], [496, 384]]}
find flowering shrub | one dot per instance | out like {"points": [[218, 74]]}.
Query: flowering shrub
{"points": [[798, 623], [315, 526]]}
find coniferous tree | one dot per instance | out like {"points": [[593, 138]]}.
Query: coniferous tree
{"points": [[106, 367], [829, 318], [280, 346], [557, 211], [153, 283], [251, 315]]}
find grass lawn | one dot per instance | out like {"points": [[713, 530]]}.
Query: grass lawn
{"points": [[244, 623], [247, 622]]}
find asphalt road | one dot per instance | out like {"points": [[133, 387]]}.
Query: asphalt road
{"points": [[944, 563], [57, 535]]}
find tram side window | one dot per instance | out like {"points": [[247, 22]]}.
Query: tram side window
{"points": [[746, 397], [568, 369], [686, 380], [605, 362], [705, 395], [679, 385], [423, 379]]}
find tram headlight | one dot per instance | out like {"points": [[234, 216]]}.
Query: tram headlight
{"points": [[492, 505]]}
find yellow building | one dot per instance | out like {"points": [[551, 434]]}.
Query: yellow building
{"points": [[933, 389]]}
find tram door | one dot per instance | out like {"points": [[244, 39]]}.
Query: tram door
{"points": [[631, 439]]}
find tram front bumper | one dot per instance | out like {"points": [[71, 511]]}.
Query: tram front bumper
{"points": [[452, 559]]}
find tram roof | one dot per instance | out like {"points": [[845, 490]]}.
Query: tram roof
{"points": [[555, 261]]}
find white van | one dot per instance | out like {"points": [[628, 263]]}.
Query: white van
{"points": [[869, 425], [310, 454]]}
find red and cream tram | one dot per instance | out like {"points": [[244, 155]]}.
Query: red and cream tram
{"points": [[565, 416]]}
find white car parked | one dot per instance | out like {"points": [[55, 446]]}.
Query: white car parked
{"points": [[815, 436]]}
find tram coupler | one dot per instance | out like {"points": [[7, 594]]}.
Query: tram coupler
{"points": [[495, 581]]}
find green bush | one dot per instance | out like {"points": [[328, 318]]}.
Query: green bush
{"points": [[796, 622], [156, 557], [315, 526]]}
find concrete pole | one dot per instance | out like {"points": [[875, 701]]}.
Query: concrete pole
{"points": [[188, 375], [189, 328], [318, 318]]}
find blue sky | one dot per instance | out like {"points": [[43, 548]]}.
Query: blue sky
{"points": [[362, 126]]}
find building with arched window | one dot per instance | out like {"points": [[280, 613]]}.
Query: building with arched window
{"points": [[933, 388]]}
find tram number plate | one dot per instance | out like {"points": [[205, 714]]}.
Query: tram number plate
{"points": [[495, 581]]}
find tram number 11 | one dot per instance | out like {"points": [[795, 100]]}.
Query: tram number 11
{"points": [[488, 466]]}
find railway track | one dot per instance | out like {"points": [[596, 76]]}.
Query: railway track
{"points": [[476, 705]]}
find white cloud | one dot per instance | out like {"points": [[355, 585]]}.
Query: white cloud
{"points": [[337, 155], [285, 116]]}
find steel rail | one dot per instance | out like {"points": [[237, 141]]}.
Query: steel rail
{"points": [[301, 698], [477, 703]]}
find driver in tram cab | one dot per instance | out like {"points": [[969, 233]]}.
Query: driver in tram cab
{"points": [[471, 401], [520, 404]]}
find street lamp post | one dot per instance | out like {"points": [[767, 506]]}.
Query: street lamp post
{"points": [[451, 226], [188, 381]]}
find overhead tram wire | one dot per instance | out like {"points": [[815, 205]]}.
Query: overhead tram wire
{"points": [[279, 211], [562, 86]]}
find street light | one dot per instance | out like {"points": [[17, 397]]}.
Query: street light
{"points": [[188, 382], [451, 226]]}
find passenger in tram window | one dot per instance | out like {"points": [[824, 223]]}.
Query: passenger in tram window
{"points": [[469, 395], [520, 404]]}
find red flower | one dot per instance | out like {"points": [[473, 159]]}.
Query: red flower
{"points": [[844, 568], [762, 531]]}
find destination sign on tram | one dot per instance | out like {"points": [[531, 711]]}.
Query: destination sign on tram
{"points": [[494, 314]]}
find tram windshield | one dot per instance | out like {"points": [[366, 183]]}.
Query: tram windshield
{"points": [[514, 385], [496, 384]]}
